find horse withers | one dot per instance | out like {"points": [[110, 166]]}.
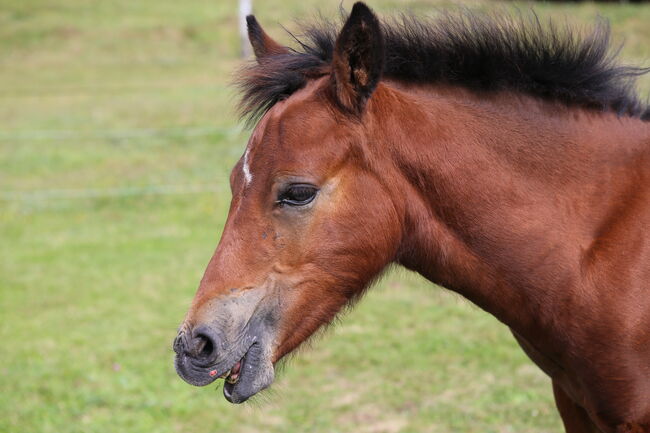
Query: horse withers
{"points": [[501, 158]]}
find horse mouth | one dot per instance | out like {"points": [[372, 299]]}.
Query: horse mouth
{"points": [[232, 376], [252, 373], [231, 379]]}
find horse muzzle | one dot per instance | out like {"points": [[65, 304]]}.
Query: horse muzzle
{"points": [[230, 345]]}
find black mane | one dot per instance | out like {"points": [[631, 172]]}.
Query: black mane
{"points": [[476, 51]]}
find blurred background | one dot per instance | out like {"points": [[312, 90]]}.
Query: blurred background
{"points": [[117, 134]]}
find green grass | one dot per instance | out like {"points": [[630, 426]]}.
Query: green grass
{"points": [[132, 94]]}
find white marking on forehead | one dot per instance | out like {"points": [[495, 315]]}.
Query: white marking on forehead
{"points": [[246, 167], [258, 131], [248, 176]]}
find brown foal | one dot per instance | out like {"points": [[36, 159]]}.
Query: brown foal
{"points": [[520, 180]]}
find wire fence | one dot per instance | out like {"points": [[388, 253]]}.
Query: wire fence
{"points": [[123, 134], [41, 196], [91, 193]]}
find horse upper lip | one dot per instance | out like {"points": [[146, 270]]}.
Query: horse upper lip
{"points": [[212, 365]]}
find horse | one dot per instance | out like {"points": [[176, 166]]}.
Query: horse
{"points": [[501, 157]]}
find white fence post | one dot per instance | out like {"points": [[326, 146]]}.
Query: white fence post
{"points": [[245, 8]]}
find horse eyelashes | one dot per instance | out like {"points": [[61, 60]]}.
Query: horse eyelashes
{"points": [[298, 195]]}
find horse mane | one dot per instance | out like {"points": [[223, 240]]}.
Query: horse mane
{"points": [[481, 52]]}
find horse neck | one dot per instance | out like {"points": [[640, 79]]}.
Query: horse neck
{"points": [[503, 197]]}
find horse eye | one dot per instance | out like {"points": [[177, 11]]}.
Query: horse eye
{"points": [[297, 195]]}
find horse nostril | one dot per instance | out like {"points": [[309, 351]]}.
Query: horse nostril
{"points": [[201, 344], [203, 347]]}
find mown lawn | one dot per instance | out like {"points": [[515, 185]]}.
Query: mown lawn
{"points": [[117, 133]]}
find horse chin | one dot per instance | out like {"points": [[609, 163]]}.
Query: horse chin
{"points": [[256, 374]]}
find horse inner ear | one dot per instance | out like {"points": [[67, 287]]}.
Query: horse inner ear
{"points": [[262, 43], [358, 59]]}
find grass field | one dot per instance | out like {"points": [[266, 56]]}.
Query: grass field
{"points": [[117, 133]]}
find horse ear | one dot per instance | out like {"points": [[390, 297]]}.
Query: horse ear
{"points": [[262, 43], [358, 59]]}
